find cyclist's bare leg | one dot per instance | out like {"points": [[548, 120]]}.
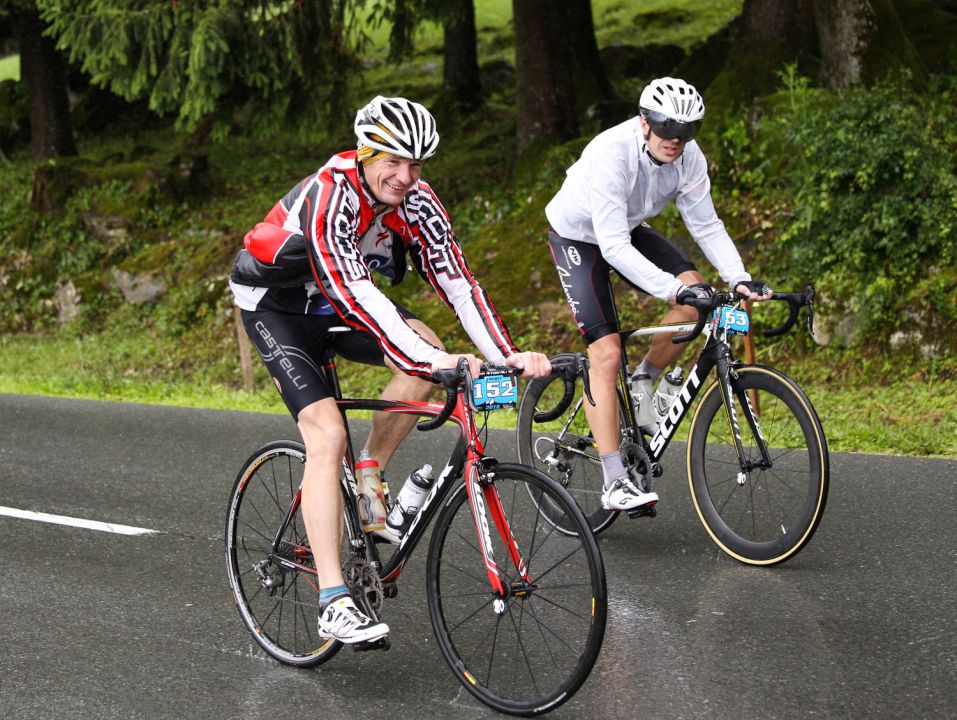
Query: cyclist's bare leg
{"points": [[663, 352], [324, 436], [604, 358], [389, 429]]}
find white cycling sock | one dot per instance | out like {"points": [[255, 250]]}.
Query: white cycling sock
{"points": [[611, 467], [650, 370]]}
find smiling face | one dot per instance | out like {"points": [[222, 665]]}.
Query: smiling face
{"points": [[665, 151], [390, 178]]}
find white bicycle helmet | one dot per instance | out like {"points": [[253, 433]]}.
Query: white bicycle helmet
{"points": [[397, 126], [673, 98], [672, 109]]}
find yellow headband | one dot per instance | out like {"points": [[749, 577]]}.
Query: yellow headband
{"points": [[368, 154]]}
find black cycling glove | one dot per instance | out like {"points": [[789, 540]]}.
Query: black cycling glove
{"points": [[697, 292], [755, 286]]}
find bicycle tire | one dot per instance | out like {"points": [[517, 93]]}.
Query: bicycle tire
{"points": [[529, 654], [282, 619], [576, 465], [762, 516]]}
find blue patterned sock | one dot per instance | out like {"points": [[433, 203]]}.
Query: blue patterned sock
{"points": [[327, 595]]}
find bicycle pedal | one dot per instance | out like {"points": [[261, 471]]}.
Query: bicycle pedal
{"points": [[643, 511], [381, 643]]}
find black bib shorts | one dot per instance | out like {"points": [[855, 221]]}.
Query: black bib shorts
{"points": [[584, 275]]}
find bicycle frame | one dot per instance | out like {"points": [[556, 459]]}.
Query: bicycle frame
{"points": [[716, 353], [467, 459]]}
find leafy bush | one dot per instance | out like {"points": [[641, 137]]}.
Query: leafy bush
{"points": [[866, 188]]}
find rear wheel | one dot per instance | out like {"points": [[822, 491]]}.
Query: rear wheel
{"points": [[563, 449], [765, 512], [276, 595], [529, 651]]}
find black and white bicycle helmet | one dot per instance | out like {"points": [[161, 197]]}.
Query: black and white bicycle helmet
{"points": [[397, 126]]}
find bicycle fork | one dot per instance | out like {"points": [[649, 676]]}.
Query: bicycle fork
{"points": [[727, 378], [485, 502]]}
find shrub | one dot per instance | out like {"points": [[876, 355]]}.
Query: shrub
{"points": [[869, 182]]}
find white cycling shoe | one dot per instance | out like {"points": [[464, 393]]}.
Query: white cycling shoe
{"points": [[343, 621], [624, 494]]}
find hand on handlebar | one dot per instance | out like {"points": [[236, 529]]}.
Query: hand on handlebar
{"points": [[754, 290], [532, 364], [449, 362], [698, 295]]}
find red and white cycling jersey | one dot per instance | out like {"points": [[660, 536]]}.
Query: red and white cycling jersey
{"points": [[314, 251]]}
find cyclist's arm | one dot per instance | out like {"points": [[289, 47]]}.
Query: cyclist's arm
{"points": [[697, 210], [611, 185], [330, 219], [439, 260]]}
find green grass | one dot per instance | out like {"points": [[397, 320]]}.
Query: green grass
{"points": [[10, 68], [901, 419]]}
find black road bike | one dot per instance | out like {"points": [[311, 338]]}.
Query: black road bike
{"points": [[757, 457], [517, 606]]}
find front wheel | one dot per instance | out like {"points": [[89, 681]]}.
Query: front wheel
{"points": [[528, 651], [564, 448], [275, 592], [760, 510]]}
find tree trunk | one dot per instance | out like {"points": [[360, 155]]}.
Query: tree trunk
{"points": [[767, 35], [578, 37], [43, 69], [460, 73], [861, 40], [545, 101]]}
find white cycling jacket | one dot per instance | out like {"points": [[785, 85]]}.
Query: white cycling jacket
{"points": [[616, 185]]}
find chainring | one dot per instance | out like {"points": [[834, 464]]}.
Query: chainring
{"points": [[637, 462], [363, 582]]}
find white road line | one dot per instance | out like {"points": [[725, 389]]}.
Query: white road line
{"points": [[76, 522]]}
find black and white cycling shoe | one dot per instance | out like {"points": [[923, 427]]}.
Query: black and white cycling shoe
{"points": [[624, 494], [343, 621]]}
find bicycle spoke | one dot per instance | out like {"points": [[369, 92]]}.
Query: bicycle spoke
{"points": [[470, 575], [472, 615], [545, 598], [521, 645], [543, 627], [576, 549]]}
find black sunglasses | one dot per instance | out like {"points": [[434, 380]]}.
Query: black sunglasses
{"points": [[670, 129]]}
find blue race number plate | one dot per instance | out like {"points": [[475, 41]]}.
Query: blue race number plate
{"points": [[493, 392], [736, 321]]}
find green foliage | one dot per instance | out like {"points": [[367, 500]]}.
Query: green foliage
{"points": [[198, 59], [10, 68], [855, 191]]}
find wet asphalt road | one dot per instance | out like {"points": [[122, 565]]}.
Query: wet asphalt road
{"points": [[861, 624]]}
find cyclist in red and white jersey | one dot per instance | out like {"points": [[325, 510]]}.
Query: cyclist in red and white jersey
{"points": [[308, 267], [626, 175]]}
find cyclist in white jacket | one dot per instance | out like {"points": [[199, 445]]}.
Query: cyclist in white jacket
{"points": [[597, 220]]}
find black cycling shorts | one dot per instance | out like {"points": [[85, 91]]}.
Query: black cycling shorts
{"points": [[584, 275], [294, 348]]}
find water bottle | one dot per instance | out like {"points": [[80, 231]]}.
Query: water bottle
{"points": [[372, 507], [642, 390], [410, 498], [667, 391]]}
